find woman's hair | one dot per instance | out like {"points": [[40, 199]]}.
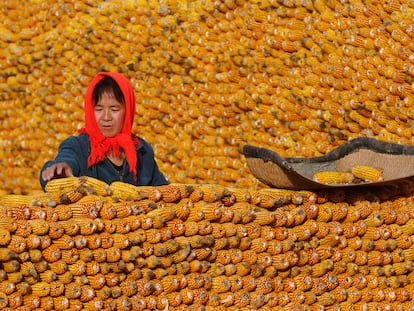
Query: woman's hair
{"points": [[109, 85]]}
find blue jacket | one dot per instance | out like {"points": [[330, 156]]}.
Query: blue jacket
{"points": [[75, 151]]}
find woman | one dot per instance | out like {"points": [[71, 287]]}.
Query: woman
{"points": [[106, 149]]}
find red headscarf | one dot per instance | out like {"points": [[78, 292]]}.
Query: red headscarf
{"points": [[125, 140]]}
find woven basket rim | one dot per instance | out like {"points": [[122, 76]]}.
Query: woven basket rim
{"points": [[396, 161]]}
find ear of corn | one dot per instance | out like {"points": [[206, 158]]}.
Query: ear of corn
{"points": [[123, 191], [62, 184], [367, 173], [15, 200], [7, 254], [96, 186], [333, 177]]}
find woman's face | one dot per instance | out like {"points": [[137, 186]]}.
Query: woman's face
{"points": [[109, 114]]}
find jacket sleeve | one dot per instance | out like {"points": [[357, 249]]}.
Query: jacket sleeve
{"points": [[70, 151]]}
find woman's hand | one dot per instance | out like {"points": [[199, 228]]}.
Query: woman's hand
{"points": [[57, 170]]}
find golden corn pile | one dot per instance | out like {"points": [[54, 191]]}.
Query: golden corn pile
{"points": [[299, 77], [86, 245]]}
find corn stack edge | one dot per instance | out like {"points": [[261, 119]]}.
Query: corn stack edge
{"points": [[298, 77], [85, 245]]}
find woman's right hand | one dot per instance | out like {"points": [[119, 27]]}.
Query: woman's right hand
{"points": [[57, 170]]}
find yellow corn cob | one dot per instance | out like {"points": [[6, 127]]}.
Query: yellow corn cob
{"points": [[77, 268], [333, 177], [367, 173], [108, 211], [8, 286], [123, 209], [212, 192], [87, 209], [11, 266], [41, 289], [72, 195], [48, 199], [46, 302], [96, 186], [15, 200], [268, 198], [23, 288], [63, 212], [162, 214], [121, 241], [124, 191], [149, 192], [64, 184], [241, 194], [7, 254], [59, 267], [185, 189], [61, 303], [52, 253], [169, 193], [5, 236], [4, 300], [87, 294], [48, 276], [39, 226]]}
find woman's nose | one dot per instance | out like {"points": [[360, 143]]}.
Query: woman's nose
{"points": [[107, 114]]}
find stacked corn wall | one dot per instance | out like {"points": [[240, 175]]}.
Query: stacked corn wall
{"points": [[84, 245], [299, 77]]}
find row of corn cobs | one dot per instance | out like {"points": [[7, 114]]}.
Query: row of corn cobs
{"points": [[85, 245], [300, 77]]}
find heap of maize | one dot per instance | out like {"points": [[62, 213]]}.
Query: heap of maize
{"points": [[299, 77], [85, 245]]}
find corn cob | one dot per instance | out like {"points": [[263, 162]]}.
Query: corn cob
{"points": [[4, 300], [95, 186], [63, 212], [7, 254], [333, 177], [11, 266], [85, 209], [196, 195], [185, 189], [269, 198], [39, 226], [367, 173], [8, 286], [41, 289], [71, 195], [108, 211], [124, 191], [149, 192], [45, 199], [15, 200], [169, 193], [5, 237], [65, 184], [211, 192]]}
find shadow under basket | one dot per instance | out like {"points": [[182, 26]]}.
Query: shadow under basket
{"points": [[395, 160]]}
